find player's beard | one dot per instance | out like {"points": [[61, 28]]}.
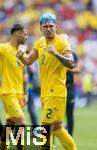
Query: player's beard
{"points": [[22, 42], [50, 35]]}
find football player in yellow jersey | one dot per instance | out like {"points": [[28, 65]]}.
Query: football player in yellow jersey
{"points": [[55, 56], [12, 92]]}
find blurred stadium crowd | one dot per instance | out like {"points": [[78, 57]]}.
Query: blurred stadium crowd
{"points": [[77, 18]]}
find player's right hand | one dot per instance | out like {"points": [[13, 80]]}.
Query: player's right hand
{"points": [[21, 50]]}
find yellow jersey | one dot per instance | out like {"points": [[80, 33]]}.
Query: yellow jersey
{"points": [[52, 71], [11, 70]]}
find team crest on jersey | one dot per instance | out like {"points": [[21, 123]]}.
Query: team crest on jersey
{"points": [[18, 63]]}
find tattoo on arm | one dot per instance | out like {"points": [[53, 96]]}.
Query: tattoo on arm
{"points": [[66, 59]]}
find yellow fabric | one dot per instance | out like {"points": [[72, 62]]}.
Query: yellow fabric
{"points": [[11, 70], [51, 142], [93, 22], [52, 72], [86, 18], [13, 105], [87, 85], [65, 139], [53, 109]]}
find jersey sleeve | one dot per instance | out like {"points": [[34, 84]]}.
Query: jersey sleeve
{"points": [[1, 50], [65, 46], [36, 46]]}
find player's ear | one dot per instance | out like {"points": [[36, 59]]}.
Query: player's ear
{"points": [[17, 33], [40, 28]]}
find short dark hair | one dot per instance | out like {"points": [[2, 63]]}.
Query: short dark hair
{"points": [[16, 27]]}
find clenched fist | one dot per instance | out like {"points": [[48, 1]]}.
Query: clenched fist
{"points": [[50, 49], [21, 50]]}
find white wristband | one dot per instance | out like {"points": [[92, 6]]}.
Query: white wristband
{"points": [[23, 48]]}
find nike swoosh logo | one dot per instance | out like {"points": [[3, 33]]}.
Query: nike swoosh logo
{"points": [[41, 46]]}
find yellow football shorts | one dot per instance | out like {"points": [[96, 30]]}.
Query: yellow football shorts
{"points": [[53, 109], [13, 105]]}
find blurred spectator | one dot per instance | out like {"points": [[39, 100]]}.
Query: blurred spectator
{"points": [[19, 5], [87, 86]]}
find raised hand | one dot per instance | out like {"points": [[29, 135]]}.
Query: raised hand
{"points": [[50, 49], [21, 50]]}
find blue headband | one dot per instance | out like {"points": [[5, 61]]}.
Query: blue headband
{"points": [[47, 18]]}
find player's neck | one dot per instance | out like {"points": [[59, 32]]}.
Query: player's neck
{"points": [[50, 39], [14, 43]]}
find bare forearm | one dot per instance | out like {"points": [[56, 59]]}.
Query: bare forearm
{"points": [[74, 70], [25, 87], [66, 61], [77, 68], [25, 60]]}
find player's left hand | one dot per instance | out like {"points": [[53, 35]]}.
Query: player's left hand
{"points": [[50, 49], [25, 99]]}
